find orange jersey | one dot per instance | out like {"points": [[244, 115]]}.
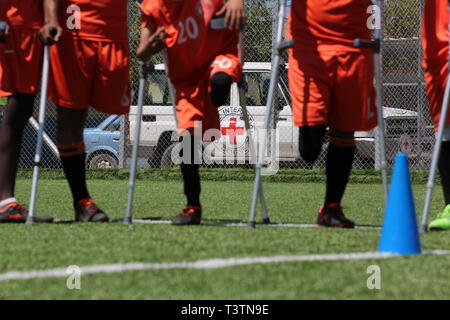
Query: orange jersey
{"points": [[435, 33], [324, 25], [192, 45], [435, 54], [22, 14], [99, 20]]}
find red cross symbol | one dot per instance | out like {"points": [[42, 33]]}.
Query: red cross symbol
{"points": [[406, 144], [232, 131]]}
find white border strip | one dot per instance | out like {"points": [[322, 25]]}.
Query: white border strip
{"points": [[242, 224], [200, 264], [228, 224]]}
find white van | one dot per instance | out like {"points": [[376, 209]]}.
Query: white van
{"points": [[158, 133]]}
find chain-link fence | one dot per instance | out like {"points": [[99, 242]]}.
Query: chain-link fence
{"points": [[406, 113]]}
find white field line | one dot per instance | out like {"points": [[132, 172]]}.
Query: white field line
{"points": [[200, 264], [242, 224]]}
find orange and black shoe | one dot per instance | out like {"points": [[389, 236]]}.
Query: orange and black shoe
{"points": [[14, 212], [190, 215], [87, 211], [332, 216]]}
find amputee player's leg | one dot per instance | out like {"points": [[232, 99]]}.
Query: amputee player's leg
{"points": [[225, 70], [317, 84], [350, 110], [18, 110], [310, 86], [190, 104], [340, 154], [73, 66], [19, 78]]}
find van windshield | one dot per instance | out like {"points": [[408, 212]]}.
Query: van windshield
{"points": [[158, 93]]}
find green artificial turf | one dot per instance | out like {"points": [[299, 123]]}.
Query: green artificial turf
{"points": [[61, 245]]}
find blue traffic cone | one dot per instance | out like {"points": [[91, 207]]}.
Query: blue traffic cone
{"points": [[399, 234]]}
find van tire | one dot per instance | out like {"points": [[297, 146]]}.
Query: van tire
{"points": [[164, 142], [166, 158], [103, 161]]}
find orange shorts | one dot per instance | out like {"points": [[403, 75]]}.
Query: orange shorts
{"points": [[20, 61], [194, 105], [90, 73], [436, 79], [334, 89]]}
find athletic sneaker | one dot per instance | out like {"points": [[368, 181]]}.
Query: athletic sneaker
{"points": [[442, 222], [190, 215], [332, 216], [87, 211], [14, 212]]}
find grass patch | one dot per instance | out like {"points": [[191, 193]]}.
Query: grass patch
{"points": [[226, 174], [61, 245]]}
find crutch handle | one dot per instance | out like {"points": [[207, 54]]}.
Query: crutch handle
{"points": [[367, 44], [286, 45], [219, 24], [2, 29], [147, 68]]}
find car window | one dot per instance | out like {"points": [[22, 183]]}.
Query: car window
{"points": [[114, 126], [158, 93], [256, 87]]}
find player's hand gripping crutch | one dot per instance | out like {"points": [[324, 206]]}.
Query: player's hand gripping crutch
{"points": [[375, 46], [143, 75], [218, 24], [41, 120], [280, 46], [437, 148]]}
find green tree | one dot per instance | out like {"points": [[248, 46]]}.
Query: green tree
{"points": [[402, 18]]}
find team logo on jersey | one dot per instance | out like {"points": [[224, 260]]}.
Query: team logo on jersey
{"points": [[232, 128]]}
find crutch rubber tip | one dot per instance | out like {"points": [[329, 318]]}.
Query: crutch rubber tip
{"points": [[29, 221], [127, 221], [251, 224], [266, 221], [423, 229]]}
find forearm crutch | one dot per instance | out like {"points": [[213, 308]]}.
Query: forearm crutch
{"points": [[172, 92], [143, 75], [218, 24], [375, 46], [437, 148], [40, 134], [251, 144], [280, 46]]}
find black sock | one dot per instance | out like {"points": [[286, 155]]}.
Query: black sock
{"points": [[444, 170], [189, 169], [75, 171], [191, 180], [338, 167]]}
